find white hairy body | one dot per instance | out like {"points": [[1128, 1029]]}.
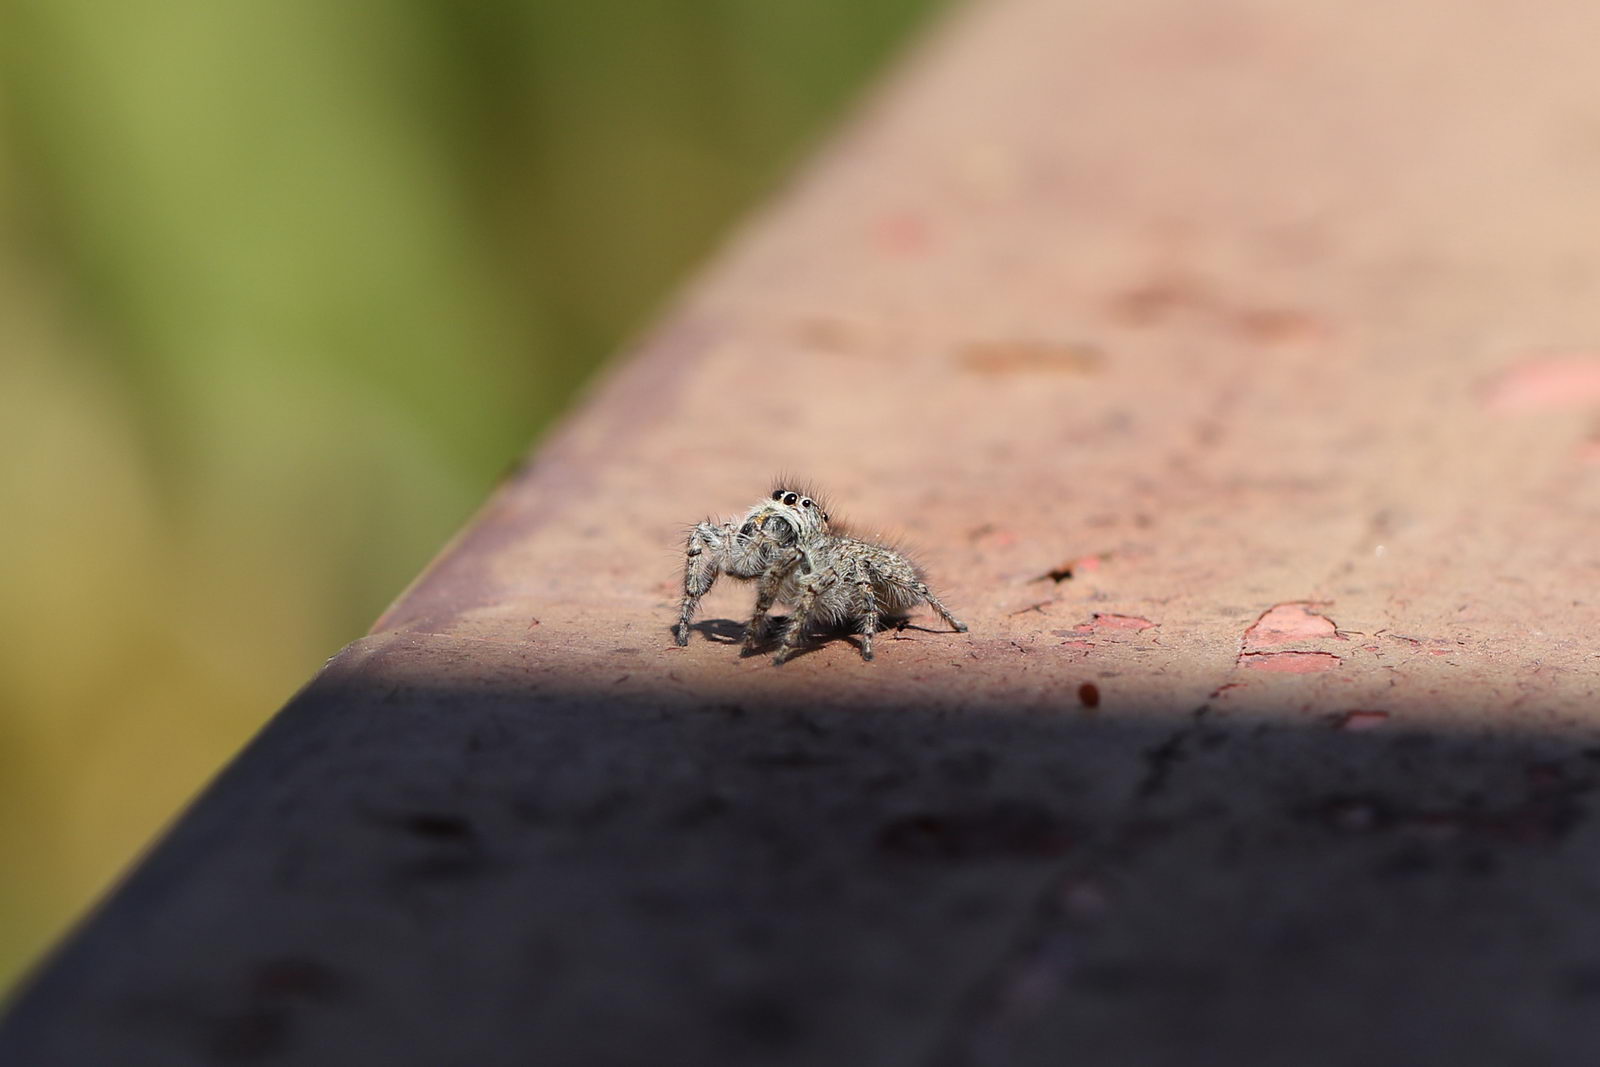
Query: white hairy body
{"points": [[789, 547]]}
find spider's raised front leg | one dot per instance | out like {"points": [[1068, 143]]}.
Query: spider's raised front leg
{"points": [[701, 565]]}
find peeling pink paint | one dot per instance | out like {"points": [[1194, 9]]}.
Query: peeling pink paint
{"points": [[1284, 623], [1548, 383], [1290, 662], [1108, 621]]}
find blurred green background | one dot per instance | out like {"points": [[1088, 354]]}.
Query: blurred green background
{"points": [[284, 285]]}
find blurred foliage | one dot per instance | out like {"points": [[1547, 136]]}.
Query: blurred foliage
{"points": [[284, 285]]}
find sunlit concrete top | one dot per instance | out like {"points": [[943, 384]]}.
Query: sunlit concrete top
{"points": [[1236, 369]]}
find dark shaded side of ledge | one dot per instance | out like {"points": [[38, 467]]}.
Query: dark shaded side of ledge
{"points": [[486, 863]]}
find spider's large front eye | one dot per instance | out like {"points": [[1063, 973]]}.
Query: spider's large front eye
{"points": [[777, 494], [779, 529], [790, 498]]}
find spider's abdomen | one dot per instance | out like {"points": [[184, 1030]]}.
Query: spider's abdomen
{"points": [[844, 564]]}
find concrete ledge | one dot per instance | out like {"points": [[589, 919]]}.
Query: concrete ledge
{"points": [[1235, 367]]}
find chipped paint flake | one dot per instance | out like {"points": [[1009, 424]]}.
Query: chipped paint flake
{"points": [[1104, 620], [1285, 623]]}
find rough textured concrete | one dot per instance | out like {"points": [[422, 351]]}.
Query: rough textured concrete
{"points": [[1235, 365]]}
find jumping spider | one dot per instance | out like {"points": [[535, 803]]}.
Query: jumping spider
{"points": [[788, 546]]}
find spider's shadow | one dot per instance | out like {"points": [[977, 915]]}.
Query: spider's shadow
{"points": [[718, 631], [731, 632]]}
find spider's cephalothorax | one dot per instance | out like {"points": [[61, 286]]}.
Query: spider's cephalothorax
{"points": [[789, 547]]}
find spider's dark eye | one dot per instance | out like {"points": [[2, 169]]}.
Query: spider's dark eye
{"points": [[808, 503], [790, 498], [824, 516], [777, 494], [779, 529]]}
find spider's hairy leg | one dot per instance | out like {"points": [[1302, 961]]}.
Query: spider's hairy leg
{"points": [[701, 565], [869, 614], [766, 592], [925, 593], [811, 583]]}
